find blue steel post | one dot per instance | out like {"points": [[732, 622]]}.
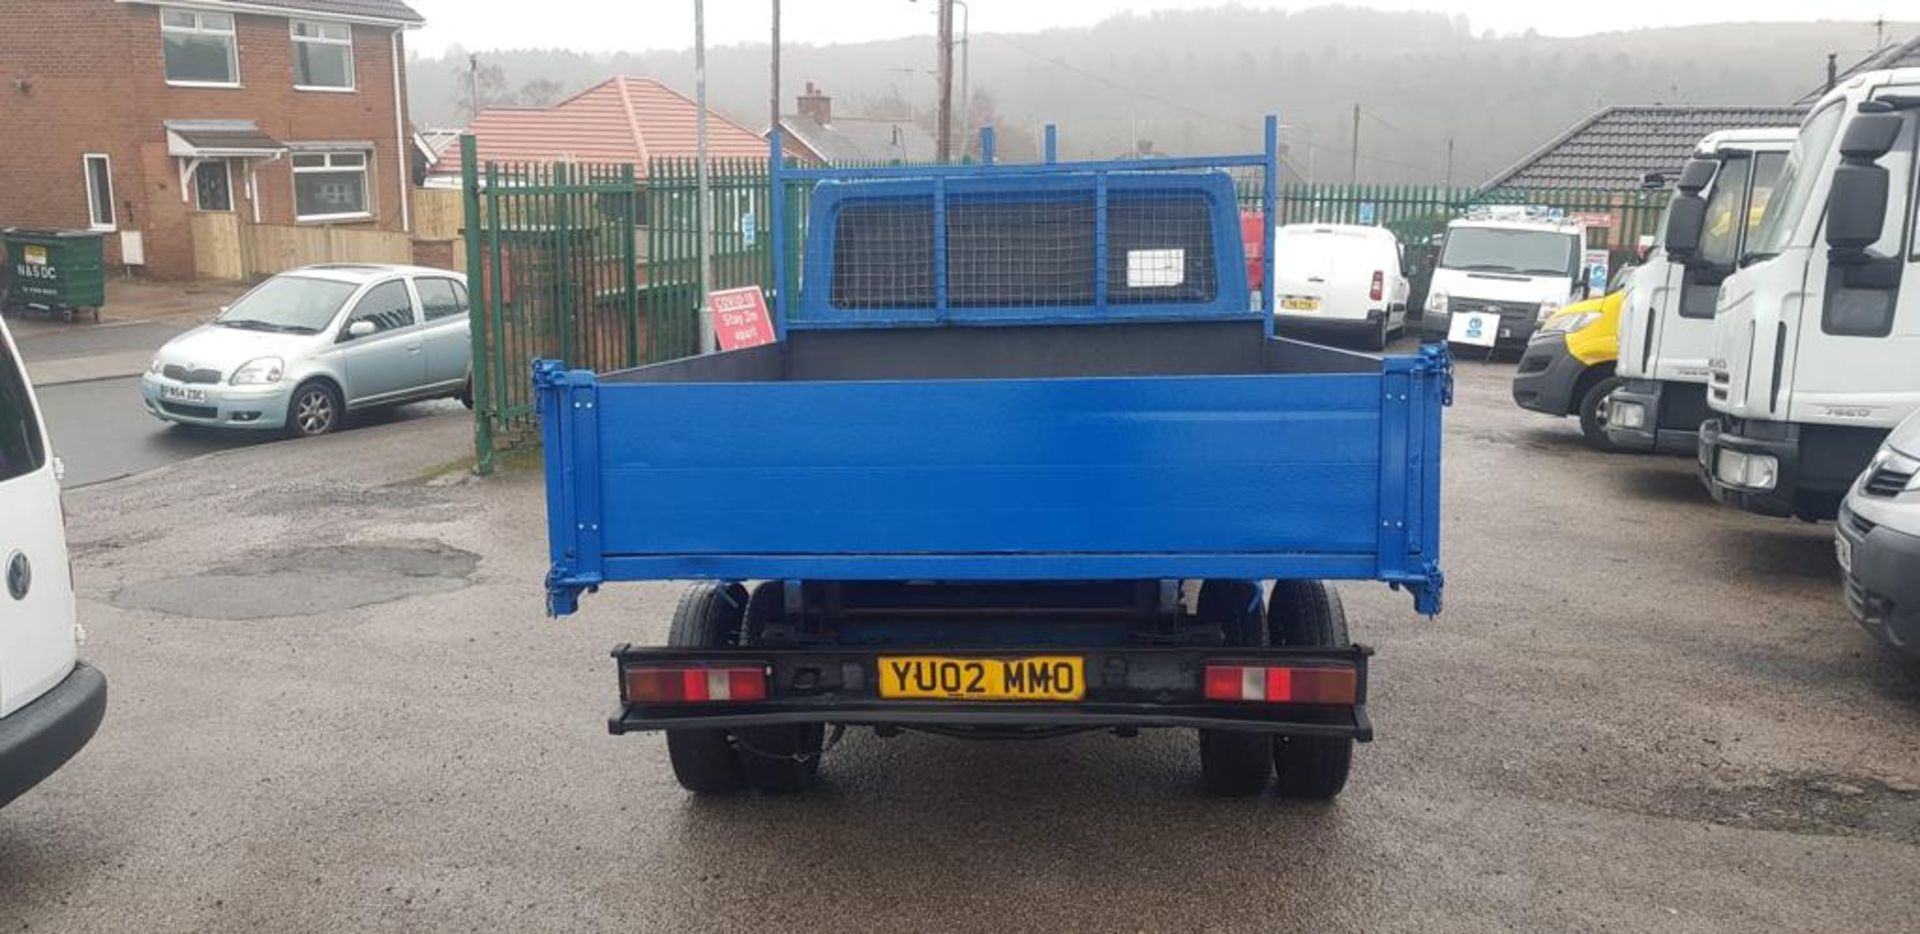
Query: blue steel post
{"points": [[1053, 144], [1100, 244], [777, 228], [986, 145], [1269, 191]]}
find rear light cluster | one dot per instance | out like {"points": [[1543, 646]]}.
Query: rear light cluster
{"points": [[1379, 286], [685, 685], [1320, 684]]}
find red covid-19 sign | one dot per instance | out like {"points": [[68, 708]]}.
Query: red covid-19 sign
{"points": [[740, 318]]}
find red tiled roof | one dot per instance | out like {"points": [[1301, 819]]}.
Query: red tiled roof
{"points": [[623, 119]]}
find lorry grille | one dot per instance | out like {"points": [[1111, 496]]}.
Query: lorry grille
{"points": [[175, 371], [1886, 481]]}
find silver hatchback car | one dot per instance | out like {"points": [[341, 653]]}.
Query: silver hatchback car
{"points": [[304, 347]]}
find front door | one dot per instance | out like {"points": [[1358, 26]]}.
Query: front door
{"points": [[391, 360]]}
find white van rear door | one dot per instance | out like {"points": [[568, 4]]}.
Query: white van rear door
{"points": [[1302, 259], [36, 594]]}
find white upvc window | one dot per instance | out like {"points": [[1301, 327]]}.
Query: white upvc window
{"points": [[200, 48], [322, 56], [331, 186], [98, 169]]}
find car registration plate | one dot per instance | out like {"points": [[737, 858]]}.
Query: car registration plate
{"points": [[1843, 552], [1293, 303], [931, 677], [182, 394]]}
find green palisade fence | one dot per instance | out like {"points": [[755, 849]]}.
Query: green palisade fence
{"points": [[598, 265]]}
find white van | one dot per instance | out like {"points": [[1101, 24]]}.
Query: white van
{"points": [[1816, 338], [1666, 323], [1339, 277], [50, 701], [1514, 261], [1877, 540]]}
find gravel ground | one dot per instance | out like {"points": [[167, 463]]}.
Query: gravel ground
{"points": [[336, 704]]}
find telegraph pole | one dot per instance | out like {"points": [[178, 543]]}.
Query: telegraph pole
{"points": [[1353, 166], [773, 100], [945, 150], [1449, 178], [704, 208]]}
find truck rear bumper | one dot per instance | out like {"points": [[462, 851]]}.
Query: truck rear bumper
{"points": [[1125, 688]]}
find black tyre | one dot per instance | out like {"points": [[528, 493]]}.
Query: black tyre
{"points": [[466, 394], [1377, 341], [1593, 413], [778, 759], [314, 410], [1308, 613], [709, 615], [1234, 763]]}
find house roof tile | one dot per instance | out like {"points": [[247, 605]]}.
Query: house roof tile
{"points": [[1617, 147], [623, 119]]}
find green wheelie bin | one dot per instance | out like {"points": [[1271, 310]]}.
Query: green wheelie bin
{"points": [[53, 271]]}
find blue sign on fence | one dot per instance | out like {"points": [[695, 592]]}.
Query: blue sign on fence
{"points": [[1368, 210]]}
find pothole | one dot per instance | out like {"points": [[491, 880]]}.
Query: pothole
{"points": [[1805, 803], [307, 581]]}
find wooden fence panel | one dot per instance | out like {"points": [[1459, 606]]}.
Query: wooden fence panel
{"points": [[217, 250]]}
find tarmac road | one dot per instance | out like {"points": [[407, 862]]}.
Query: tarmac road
{"points": [[337, 705], [102, 432]]}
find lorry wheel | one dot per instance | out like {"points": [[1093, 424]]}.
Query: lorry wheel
{"points": [[1235, 763], [709, 615], [777, 759], [1308, 613], [1593, 413]]}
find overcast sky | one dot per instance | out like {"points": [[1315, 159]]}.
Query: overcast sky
{"points": [[613, 25]]}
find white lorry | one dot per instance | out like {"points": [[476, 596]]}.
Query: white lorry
{"points": [[1666, 324], [1518, 262], [1816, 339]]}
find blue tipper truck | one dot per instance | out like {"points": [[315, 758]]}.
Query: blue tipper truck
{"points": [[1022, 463]]}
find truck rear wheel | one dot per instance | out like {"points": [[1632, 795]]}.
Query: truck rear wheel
{"points": [[1234, 763], [777, 759], [1308, 614], [709, 615]]}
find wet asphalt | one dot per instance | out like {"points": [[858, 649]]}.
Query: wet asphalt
{"points": [[336, 704]]}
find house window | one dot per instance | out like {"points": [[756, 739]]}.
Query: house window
{"points": [[330, 185], [99, 172], [322, 56], [213, 186], [200, 48]]}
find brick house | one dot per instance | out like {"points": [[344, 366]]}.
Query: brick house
{"points": [[183, 129]]}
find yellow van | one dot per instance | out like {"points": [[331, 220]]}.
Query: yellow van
{"points": [[1568, 365]]}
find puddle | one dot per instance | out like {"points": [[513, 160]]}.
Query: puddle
{"points": [[307, 581]]}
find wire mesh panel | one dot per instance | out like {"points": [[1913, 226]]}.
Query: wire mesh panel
{"points": [[1160, 249], [1024, 252], [883, 254]]}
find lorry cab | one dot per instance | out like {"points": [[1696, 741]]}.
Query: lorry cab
{"points": [[1817, 335], [1666, 333], [1522, 263], [1568, 367]]}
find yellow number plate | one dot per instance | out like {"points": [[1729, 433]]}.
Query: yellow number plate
{"points": [[1040, 678], [1300, 304]]}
